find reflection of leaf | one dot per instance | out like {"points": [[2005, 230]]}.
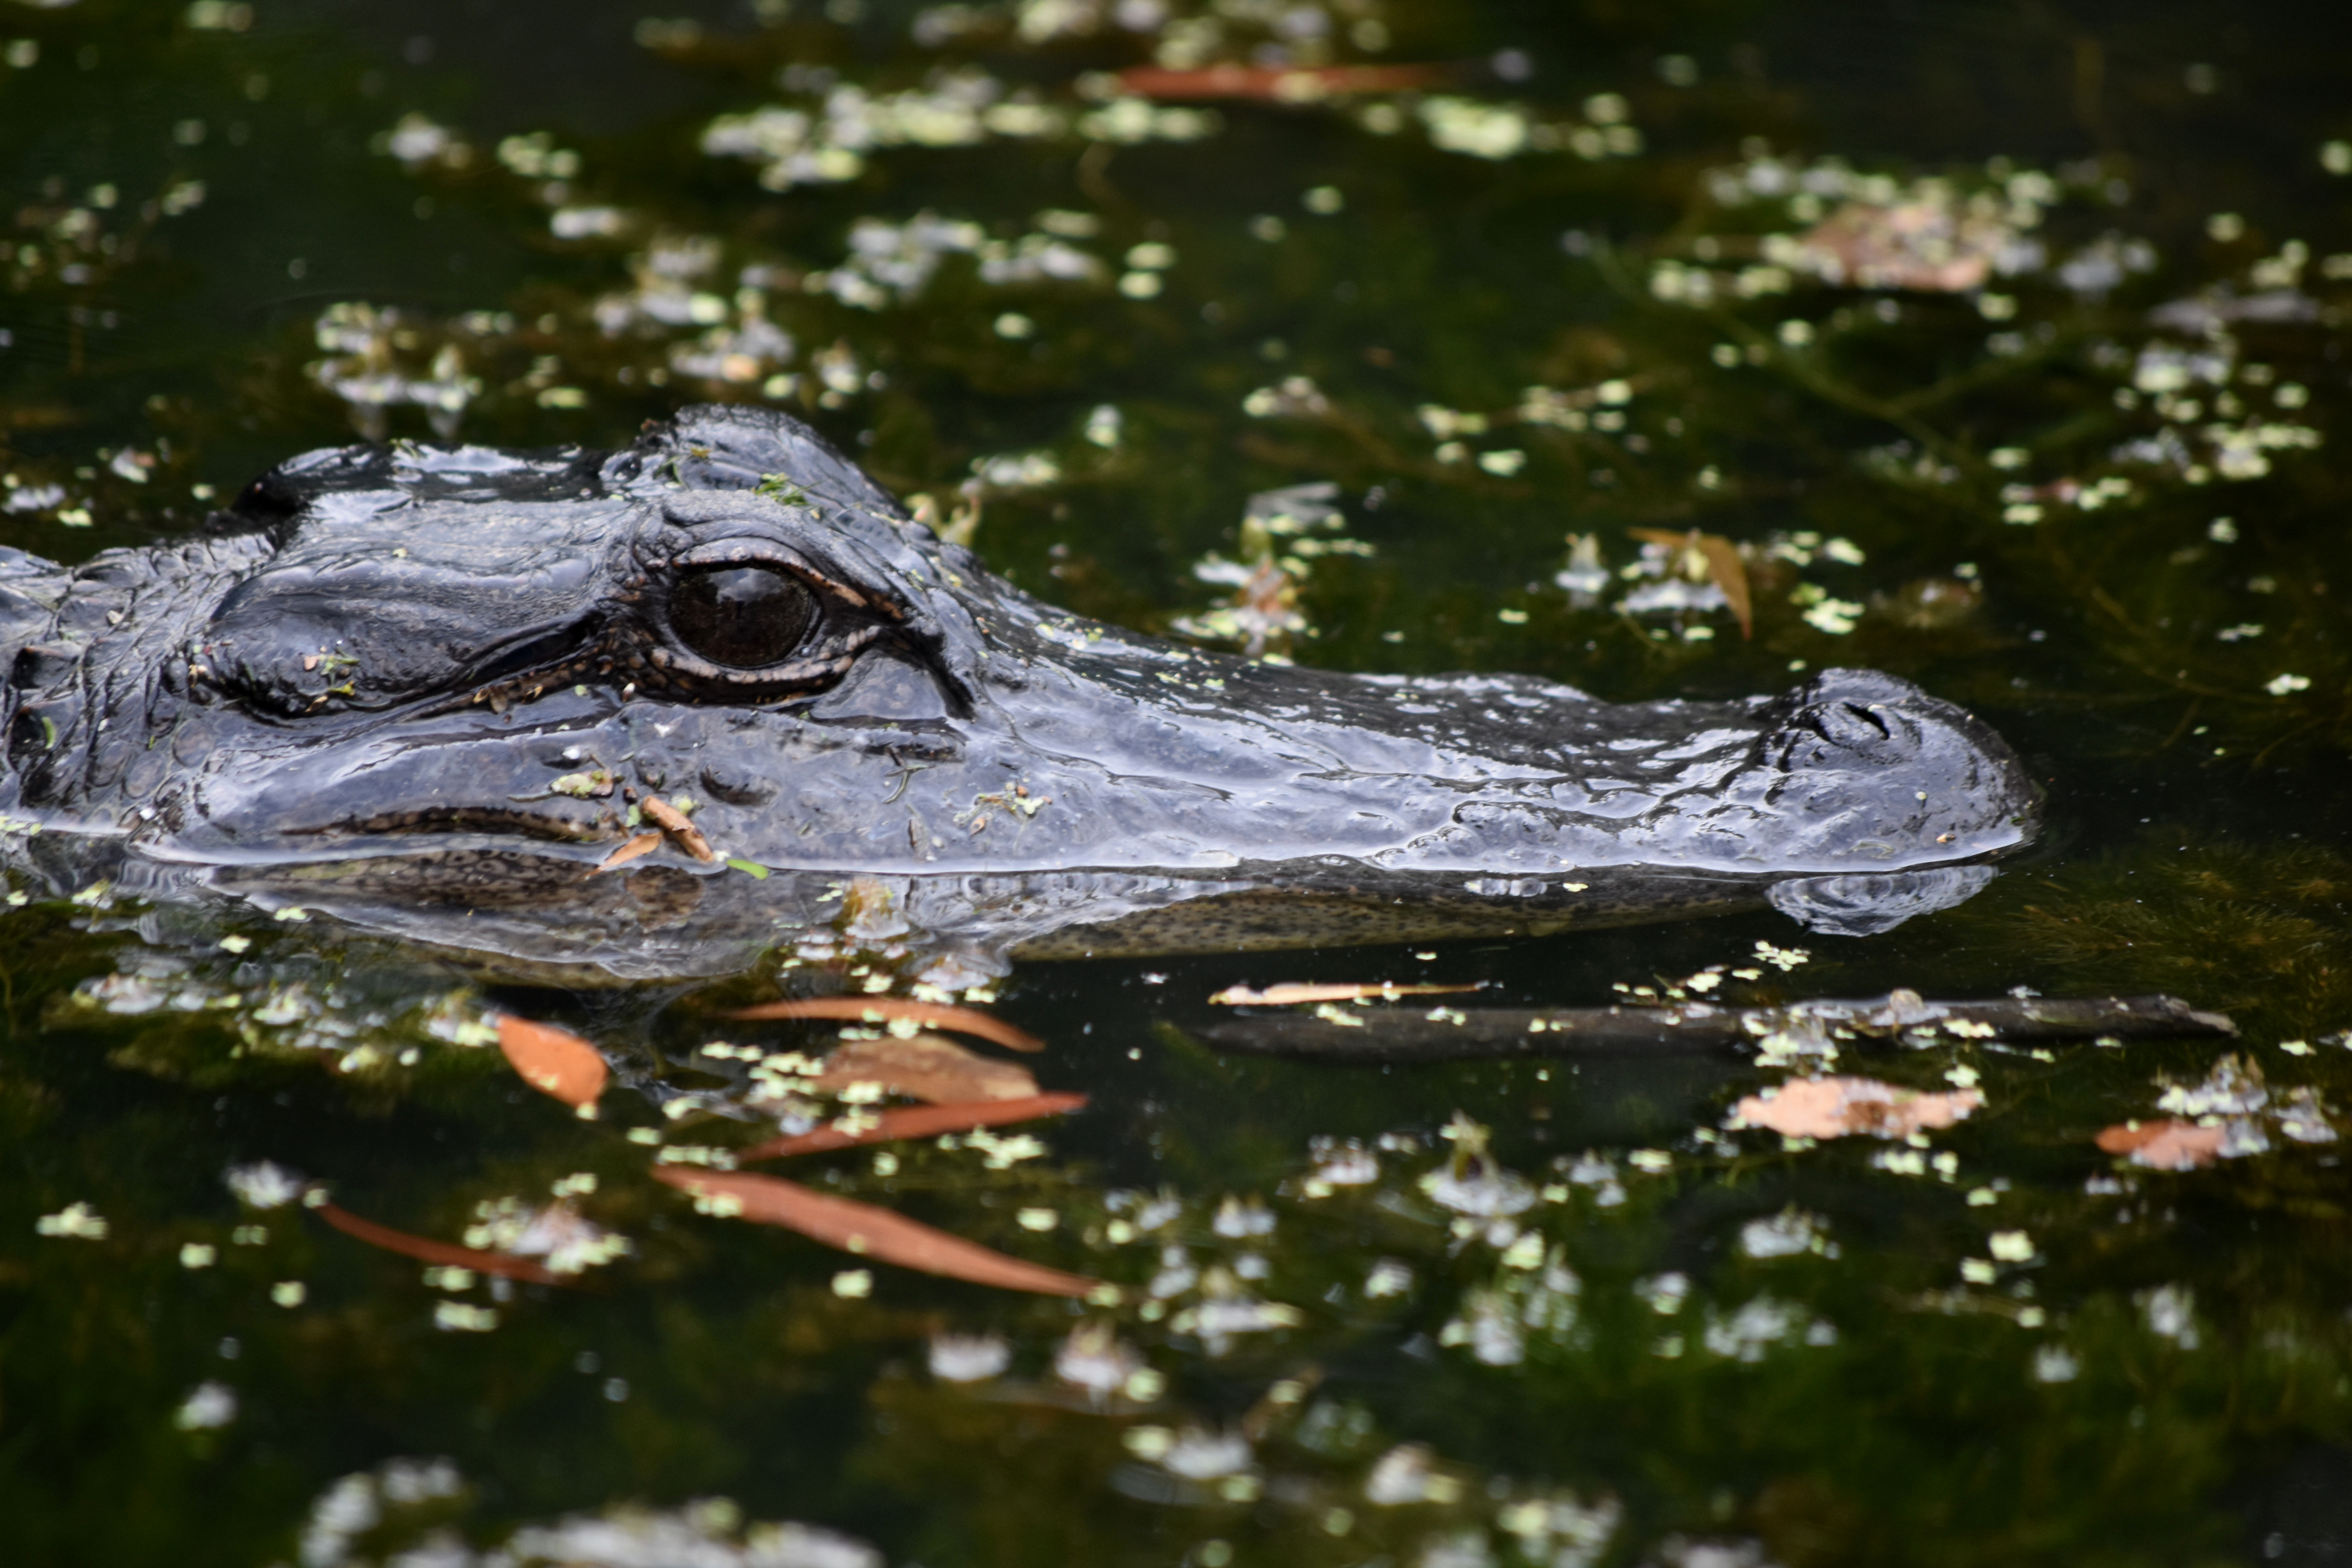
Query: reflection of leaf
{"points": [[2164, 1145], [642, 843], [925, 1067], [917, 1122], [880, 1009], [1723, 566], [553, 1061], [1834, 1107], [1290, 992], [871, 1232], [427, 1250]]}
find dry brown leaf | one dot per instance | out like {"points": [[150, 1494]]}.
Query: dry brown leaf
{"points": [[917, 1122], [1724, 567], [1291, 993], [2164, 1145], [672, 821], [926, 1067], [425, 1249], [871, 1232], [882, 1009], [642, 843], [1836, 1107], [553, 1061]]}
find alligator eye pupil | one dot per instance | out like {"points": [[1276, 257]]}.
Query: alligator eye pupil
{"points": [[745, 617]]}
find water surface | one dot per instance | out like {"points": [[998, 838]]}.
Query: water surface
{"points": [[2068, 454]]}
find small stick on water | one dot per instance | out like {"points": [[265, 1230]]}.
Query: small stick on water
{"points": [[1446, 1034], [917, 1122], [881, 1009], [427, 1250]]}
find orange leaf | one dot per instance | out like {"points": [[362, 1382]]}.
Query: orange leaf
{"points": [[917, 1122], [2164, 1145], [1289, 993], [642, 843], [553, 1061], [880, 1009], [871, 1232], [1834, 1107], [1724, 567], [672, 821], [425, 1249], [925, 1067]]}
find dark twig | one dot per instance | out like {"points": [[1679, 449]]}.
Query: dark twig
{"points": [[1447, 1033]]}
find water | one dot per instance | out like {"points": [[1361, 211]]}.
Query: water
{"points": [[2006, 1345]]}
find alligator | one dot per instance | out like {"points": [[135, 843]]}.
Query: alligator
{"points": [[657, 709]]}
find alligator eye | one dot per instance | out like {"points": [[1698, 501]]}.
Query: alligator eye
{"points": [[747, 617]]}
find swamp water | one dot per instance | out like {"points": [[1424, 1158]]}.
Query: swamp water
{"points": [[2003, 342]]}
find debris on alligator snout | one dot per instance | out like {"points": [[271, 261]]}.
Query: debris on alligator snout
{"points": [[672, 821], [1447, 1033]]}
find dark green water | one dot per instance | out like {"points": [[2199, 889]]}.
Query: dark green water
{"points": [[2080, 471]]}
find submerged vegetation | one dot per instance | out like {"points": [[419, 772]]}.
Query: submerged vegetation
{"points": [[1658, 355]]}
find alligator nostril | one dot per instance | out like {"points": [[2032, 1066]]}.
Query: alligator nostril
{"points": [[1870, 717], [1853, 727]]}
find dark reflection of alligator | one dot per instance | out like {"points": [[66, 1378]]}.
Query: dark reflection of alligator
{"points": [[430, 690]]}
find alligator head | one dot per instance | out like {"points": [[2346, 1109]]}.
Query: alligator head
{"points": [[434, 691]]}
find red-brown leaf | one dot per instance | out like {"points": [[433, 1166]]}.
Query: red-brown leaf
{"points": [[2164, 1145], [881, 1009], [427, 1250], [553, 1061], [871, 1232], [1835, 1107], [924, 1067], [919, 1122]]}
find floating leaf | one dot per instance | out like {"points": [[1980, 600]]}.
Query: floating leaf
{"points": [[642, 843], [672, 821], [882, 1009], [1835, 1107], [425, 1249], [1291, 993], [553, 1061], [2164, 1145], [926, 1067], [917, 1122], [869, 1232], [1724, 567]]}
